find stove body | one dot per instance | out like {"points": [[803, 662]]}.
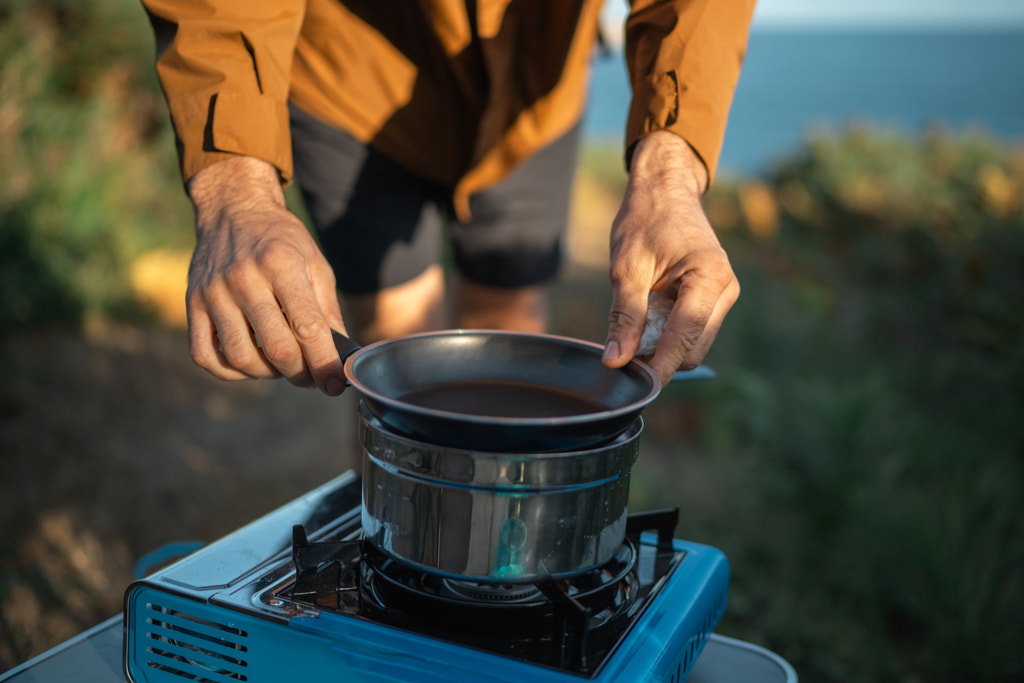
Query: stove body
{"points": [[298, 593]]}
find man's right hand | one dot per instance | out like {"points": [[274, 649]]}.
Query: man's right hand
{"points": [[261, 298]]}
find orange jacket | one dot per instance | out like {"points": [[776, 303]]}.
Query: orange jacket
{"points": [[457, 91]]}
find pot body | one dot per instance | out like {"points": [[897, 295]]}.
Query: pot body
{"points": [[494, 517]]}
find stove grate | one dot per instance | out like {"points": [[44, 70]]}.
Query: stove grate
{"points": [[552, 622]]}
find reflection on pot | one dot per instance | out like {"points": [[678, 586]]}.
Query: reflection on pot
{"points": [[501, 517]]}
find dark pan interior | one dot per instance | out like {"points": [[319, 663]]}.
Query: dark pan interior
{"points": [[499, 375]]}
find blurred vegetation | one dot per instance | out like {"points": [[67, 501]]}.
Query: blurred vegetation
{"points": [[865, 426], [84, 144], [859, 458]]}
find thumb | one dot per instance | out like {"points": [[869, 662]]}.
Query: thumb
{"points": [[625, 323]]}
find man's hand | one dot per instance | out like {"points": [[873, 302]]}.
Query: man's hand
{"points": [[661, 242], [261, 298]]}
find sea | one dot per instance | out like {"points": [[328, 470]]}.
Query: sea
{"points": [[795, 83]]}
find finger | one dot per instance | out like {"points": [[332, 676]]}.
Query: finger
{"points": [[707, 339], [277, 343], [311, 330], [205, 347], [693, 326], [239, 347], [234, 347], [274, 337], [625, 319]]}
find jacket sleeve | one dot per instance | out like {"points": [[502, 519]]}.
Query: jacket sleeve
{"points": [[684, 59], [224, 66]]}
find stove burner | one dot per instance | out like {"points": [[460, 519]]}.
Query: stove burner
{"points": [[559, 615], [569, 623], [486, 592], [605, 592]]}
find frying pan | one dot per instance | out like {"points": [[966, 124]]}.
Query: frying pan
{"points": [[497, 391]]}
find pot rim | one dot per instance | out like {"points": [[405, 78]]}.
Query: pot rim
{"points": [[497, 420], [509, 471]]}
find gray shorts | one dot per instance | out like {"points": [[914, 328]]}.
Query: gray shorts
{"points": [[381, 226]]}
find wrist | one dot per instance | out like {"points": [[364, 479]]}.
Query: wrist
{"points": [[239, 182], [663, 155]]}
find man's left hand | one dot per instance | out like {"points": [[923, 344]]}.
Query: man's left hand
{"points": [[662, 243]]}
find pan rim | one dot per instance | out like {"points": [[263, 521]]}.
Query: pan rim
{"points": [[498, 420]]}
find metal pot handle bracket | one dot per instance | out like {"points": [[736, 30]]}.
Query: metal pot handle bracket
{"points": [[345, 346], [699, 372]]}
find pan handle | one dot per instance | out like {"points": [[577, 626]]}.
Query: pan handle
{"points": [[699, 372], [345, 346]]}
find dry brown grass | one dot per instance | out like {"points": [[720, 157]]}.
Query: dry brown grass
{"points": [[113, 445]]}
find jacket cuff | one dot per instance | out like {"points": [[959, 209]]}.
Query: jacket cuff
{"points": [[237, 124], [661, 102]]}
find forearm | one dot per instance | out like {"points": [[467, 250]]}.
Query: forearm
{"points": [[666, 157], [241, 183]]}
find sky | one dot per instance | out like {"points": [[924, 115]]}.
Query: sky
{"points": [[905, 14], [889, 13]]}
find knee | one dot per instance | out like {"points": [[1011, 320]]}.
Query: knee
{"points": [[523, 309], [416, 306]]}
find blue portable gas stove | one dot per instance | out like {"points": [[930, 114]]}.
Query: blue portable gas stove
{"points": [[300, 592]]}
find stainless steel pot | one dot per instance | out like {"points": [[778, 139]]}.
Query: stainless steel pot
{"points": [[494, 517]]}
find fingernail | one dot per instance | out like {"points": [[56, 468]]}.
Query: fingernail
{"points": [[611, 351], [334, 386]]}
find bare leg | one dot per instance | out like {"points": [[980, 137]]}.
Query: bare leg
{"points": [[415, 306], [480, 306]]}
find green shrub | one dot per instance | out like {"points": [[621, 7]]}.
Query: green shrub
{"points": [[938, 219], [85, 157], [864, 432]]}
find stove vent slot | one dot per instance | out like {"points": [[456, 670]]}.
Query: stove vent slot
{"points": [[695, 644], [193, 648]]}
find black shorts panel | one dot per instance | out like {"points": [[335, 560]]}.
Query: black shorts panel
{"points": [[380, 225], [515, 235]]}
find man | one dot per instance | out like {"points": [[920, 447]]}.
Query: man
{"points": [[470, 106]]}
